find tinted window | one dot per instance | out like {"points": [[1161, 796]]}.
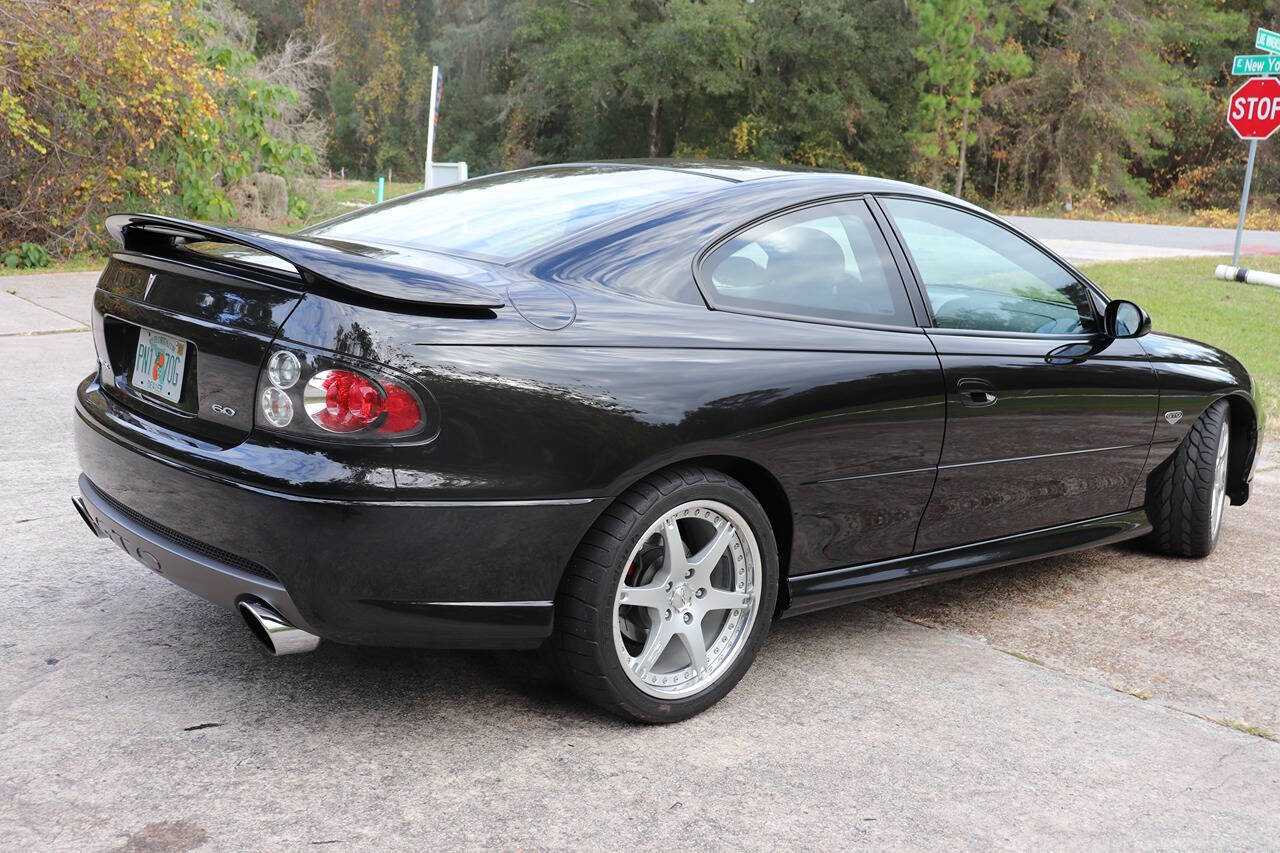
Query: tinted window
{"points": [[507, 215], [981, 276], [827, 262]]}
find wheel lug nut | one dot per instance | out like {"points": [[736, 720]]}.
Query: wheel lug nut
{"points": [[701, 592], [668, 584], [688, 617], [668, 615]]}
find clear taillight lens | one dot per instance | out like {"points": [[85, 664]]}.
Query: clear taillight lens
{"points": [[276, 407], [283, 369], [323, 397]]}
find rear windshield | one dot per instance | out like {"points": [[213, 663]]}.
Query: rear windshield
{"points": [[506, 215]]}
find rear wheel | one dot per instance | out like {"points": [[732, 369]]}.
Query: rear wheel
{"points": [[669, 597], [1190, 492]]}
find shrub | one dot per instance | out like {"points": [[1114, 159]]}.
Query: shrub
{"points": [[27, 255], [113, 104]]}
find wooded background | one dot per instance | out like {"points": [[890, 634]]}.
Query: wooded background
{"points": [[176, 105]]}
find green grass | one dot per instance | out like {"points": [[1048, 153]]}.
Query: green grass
{"points": [[334, 197], [1247, 728], [1021, 656], [1184, 298], [76, 263]]}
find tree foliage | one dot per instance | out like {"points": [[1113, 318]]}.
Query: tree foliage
{"points": [[168, 104], [1110, 99], [961, 42], [380, 91], [140, 103], [1112, 80]]}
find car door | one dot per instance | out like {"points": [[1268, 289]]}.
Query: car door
{"points": [[1048, 420], [856, 429]]}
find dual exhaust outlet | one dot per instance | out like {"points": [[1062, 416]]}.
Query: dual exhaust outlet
{"points": [[273, 631]]}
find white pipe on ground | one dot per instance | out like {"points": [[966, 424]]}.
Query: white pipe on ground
{"points": [[1226, 272]]}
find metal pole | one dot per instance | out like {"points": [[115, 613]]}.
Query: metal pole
{"points": [[429, 179], [1244, 202]]}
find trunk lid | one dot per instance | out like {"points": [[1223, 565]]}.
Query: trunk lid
{"points": [[198, 306], [224, 321]]}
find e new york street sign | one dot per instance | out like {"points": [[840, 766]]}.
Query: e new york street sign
{"points": [[1253, 66]]}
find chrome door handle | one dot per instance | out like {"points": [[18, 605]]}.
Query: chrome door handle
{"points": [[976, 393]]}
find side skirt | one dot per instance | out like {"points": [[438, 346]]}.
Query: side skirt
{"points": [[840, 586]]}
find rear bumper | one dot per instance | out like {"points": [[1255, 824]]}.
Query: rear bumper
{"points": [[448, 574], [208, 577]]}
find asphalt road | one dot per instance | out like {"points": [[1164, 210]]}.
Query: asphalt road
{"points": [[1081, 241], [134, 716]]}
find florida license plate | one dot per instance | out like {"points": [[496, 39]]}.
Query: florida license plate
{"points": [[159, 364]]}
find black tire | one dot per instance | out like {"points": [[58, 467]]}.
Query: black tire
{"points": [[582, 646], [1180, 500]]}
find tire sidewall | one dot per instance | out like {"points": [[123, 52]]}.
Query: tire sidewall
{"points": [[1220, 427], [652, 708]]}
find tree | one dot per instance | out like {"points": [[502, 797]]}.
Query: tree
{"points": [[1109, 83], [142, 104], [823, 87], [960, 42], [380, 90], [624, 77]]}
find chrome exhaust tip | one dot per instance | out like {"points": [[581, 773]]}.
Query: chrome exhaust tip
{"points": [[273, 632], [78, 503]]}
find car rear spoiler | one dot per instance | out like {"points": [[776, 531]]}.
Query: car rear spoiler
{"points": [[369, 270]]}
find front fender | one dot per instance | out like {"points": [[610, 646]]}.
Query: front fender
{"points": [[1192, 376]]}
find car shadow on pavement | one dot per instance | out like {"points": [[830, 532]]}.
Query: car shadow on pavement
{"points": [[1072, 609], [216, 657]]}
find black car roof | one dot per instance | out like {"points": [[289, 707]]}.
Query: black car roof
{"points": [[740, 171]]}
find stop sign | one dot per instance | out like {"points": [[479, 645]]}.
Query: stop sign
{"points": [[1254, 109]]}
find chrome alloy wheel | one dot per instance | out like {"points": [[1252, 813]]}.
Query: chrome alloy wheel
{"points": [[1219, 483], [688, 599]]}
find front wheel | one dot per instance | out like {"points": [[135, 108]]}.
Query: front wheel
{"points": [[669, 597], [1190, 490]]}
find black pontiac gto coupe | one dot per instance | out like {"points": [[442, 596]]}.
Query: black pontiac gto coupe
{"points": [[630, 412]]}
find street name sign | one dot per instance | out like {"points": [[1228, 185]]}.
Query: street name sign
{"points": [[1251, 66], [1254, 109], [1267, 40]]}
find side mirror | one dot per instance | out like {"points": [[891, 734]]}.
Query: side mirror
{"points": [[1124, 319]]}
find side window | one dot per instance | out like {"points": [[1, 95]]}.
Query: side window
{"points": [[826, 262], [981, 276]]}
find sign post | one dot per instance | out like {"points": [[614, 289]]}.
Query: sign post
{"points": [[1244, 202], [429, 179]]}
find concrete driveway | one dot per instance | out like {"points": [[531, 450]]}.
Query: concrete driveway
{"points": [[985, 713]]}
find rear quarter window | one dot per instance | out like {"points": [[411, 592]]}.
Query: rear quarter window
{"points": [[827, 262], [507, 215]]}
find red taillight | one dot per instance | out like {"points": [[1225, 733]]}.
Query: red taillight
{"points": [[402, 410], [346, 401]]}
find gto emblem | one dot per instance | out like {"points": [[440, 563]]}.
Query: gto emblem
{"points": [[1173, 417], [220, 409]]}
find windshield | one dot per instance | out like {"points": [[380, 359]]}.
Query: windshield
{"points": [[506, 215]]}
